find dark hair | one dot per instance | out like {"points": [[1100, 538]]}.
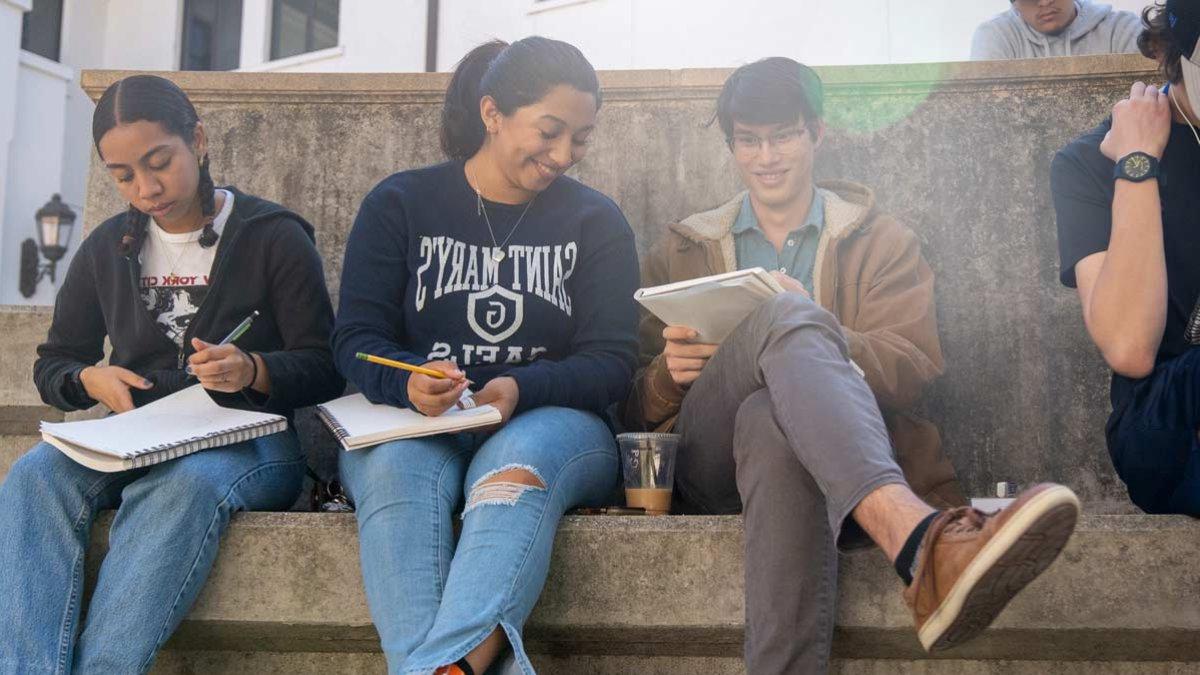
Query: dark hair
{"points": [[1158, 42], [156, 99], [774, 90], [515, 76]]}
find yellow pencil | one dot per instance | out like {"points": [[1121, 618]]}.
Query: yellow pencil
{"points": [[401, 365]]}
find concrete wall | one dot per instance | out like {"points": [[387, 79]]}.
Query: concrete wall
{"points": [[959, 152]]}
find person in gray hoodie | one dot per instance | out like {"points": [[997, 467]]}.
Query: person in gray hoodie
{"points": [[1037, 28]]}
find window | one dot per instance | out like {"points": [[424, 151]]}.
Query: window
{"points": [[300, 26], [212, 35], [41, 28]]}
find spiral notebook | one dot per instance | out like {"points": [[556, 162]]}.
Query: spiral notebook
{"points": [[185, 422], [358, 423], [712, 306]]}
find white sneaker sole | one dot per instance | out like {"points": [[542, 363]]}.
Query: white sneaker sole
{"points": [[1021, 550]]}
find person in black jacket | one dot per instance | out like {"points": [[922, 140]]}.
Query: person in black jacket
{"points": [[164, 282]]}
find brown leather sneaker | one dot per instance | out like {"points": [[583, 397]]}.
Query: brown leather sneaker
{"points": [[972, 563]]}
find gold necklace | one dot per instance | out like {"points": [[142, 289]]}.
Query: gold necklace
{"points": [[173, 264]]}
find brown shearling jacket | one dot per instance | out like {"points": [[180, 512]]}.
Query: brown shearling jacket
{"points": [[869, 272]]}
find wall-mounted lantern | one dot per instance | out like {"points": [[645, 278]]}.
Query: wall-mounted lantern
{"points": [[54, 222]]}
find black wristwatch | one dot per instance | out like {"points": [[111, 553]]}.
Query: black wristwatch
{"points": [[1136, 167]]}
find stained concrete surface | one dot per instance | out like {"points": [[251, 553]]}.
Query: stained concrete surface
{"points": [[959, 152]]}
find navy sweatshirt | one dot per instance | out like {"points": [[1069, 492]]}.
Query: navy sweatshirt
{"points": [[420, 284]]}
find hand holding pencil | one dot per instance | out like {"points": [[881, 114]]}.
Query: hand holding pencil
{"points": [[433, 388], [434, 395], [437, 386], [224, 366]]}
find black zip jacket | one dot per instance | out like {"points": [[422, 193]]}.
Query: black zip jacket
{"points": [[265, 260]]}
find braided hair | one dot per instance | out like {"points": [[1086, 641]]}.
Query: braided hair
{"points": [[156, 99], [208, 193]]}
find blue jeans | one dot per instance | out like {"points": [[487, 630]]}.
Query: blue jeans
{"points": [[162, 543], [432, 603]]}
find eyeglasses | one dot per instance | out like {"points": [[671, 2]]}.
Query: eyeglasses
{"points": [[784, 142]]}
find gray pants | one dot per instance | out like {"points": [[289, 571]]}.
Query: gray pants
{"points": [[781, 427]]}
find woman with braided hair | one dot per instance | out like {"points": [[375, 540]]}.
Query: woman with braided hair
{"points": [[163, 282]]}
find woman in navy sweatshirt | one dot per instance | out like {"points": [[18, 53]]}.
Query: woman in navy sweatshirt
{"points": [[163, 282], [509, 277]]}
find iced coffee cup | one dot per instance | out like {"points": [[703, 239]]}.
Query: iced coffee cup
{"points": [[648, 464]]}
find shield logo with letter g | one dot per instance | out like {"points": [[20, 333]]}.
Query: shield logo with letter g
{"points": [[495, 314]]}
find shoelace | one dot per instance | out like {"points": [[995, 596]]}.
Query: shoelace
{"points": [[965, 519], [960, 519]]}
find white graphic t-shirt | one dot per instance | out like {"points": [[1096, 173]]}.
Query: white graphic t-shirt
{"points": [[175, 271]]}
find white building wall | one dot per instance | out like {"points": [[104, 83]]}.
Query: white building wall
{"points": [[140, 34], [38, 143], [83, 41], [52, 119], [11, 12], [728, 33], [373, 36]]}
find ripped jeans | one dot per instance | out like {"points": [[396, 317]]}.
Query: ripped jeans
{"points": [[433, 602]]}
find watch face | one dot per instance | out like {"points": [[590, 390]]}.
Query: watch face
{"points": [[1136, 166]]}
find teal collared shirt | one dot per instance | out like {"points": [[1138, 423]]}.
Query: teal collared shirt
{"points": [[799, 252]]}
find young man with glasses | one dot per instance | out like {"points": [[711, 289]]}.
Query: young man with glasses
{"points": [[1127, 198], [778, 423], [1036, 28]]}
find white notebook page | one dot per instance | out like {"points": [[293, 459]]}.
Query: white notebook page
{"points": [[184, 416], [359, 417]]}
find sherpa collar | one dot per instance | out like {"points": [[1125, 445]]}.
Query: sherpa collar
{"points": [[847, 207]]}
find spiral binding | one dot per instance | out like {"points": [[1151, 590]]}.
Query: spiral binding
{"points": [[165, 452], [337, 429]]}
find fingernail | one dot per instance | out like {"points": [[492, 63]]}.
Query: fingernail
{"points": [[188, 370], [147, 383]]}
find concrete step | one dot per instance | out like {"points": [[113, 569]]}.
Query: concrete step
{"points": [[172, 662], [19, 430], [13, 446], [23, 328], [1124, 590]]}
